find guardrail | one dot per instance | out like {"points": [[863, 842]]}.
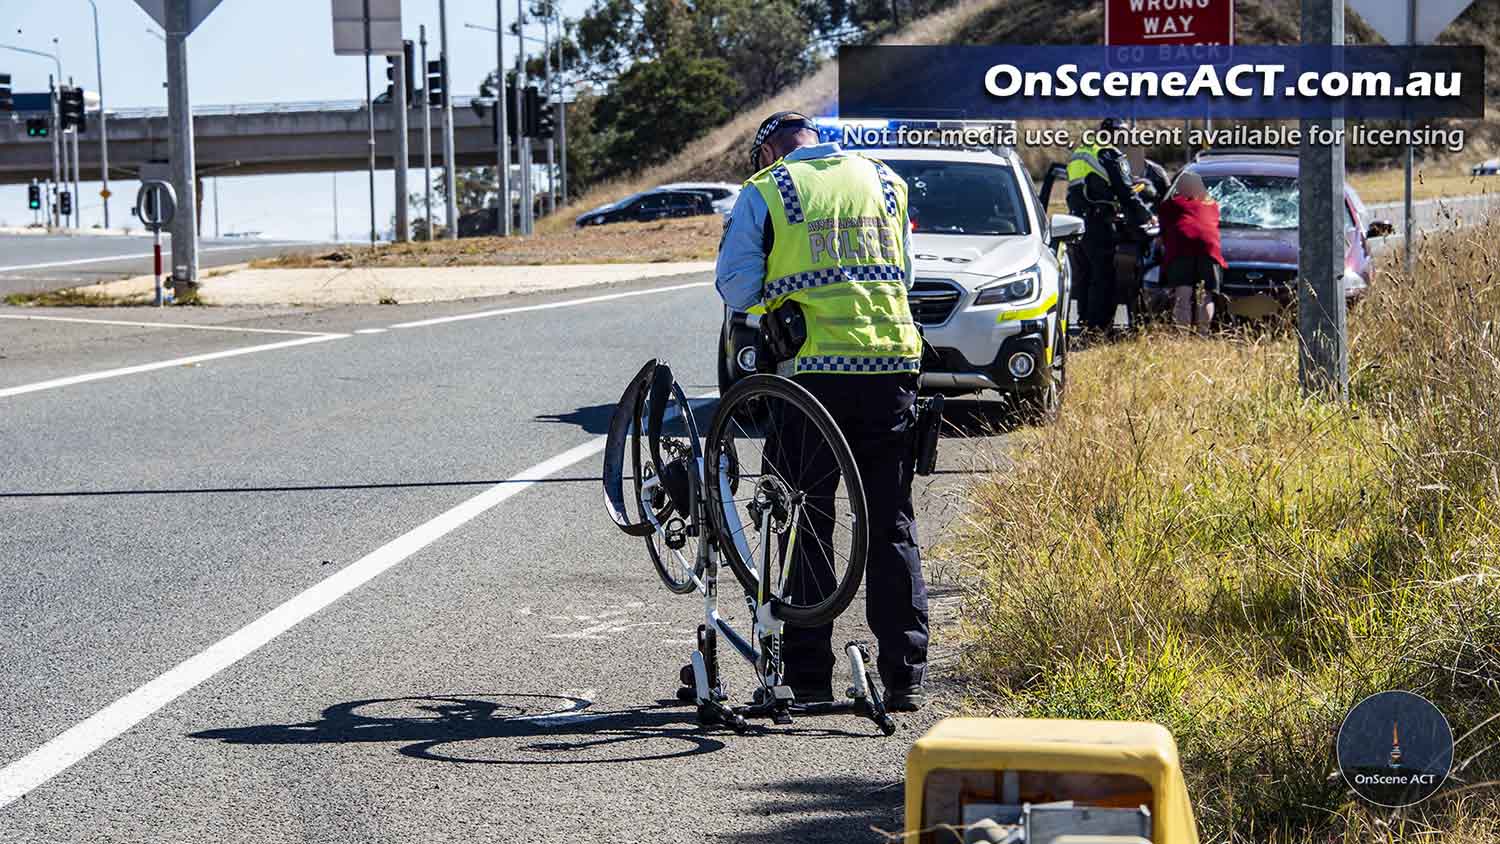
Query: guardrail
{"points": [[260, 108]]}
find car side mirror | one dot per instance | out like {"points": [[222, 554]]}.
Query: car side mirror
{"points": [[1066, 228], [1380, 228]]}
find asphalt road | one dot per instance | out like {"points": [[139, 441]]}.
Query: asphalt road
{"points": [[33, 263], [339, 586]]}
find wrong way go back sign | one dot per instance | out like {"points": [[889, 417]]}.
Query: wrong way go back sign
{"points": [[1168, 22]]}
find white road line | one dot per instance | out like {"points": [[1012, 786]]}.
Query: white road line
{"points": [[566, 303], [69, 381], [77, 261], [57, 755], [369, 331], [77, 742], [142, 324]]}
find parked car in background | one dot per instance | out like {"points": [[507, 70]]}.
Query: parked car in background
{"points": [[1487, 168], [722, 194], [1258, 224], [648, 206]]}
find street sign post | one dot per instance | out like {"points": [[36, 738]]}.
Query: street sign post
{"points": [[1132, 22], [367, 28], [156, 205], [1322, 328], [1409, 22]]}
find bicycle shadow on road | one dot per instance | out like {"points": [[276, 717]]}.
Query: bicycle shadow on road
{"points": [[594, 419], [525, 729], [850, 809]]}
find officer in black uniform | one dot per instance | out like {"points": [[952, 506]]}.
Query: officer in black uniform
{"points": [[1101, 191]]}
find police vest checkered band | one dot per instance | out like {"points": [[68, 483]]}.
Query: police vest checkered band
{"points": [[788, 193], [842, 363], [833, 275], [887, 189]]}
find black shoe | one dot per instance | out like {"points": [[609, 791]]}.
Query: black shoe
{"points": [[908, 699], [813, 694]]}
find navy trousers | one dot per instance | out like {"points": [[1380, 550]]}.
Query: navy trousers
{"points": [[875, 414]]}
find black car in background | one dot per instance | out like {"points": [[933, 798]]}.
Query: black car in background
{"points": [[648, 206]]}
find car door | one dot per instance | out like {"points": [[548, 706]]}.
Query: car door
{"points": [[652, 207]]}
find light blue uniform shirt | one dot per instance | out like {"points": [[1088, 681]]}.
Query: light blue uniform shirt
{"points": [[741, 269]]}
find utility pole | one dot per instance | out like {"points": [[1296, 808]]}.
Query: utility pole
{"points": [[1411, 41], [335, 207], [56, 152], [77, 197], [103, 128], [184, 165], [398, 107], [426, 135], [450, 177], [523, 144], [546, 92], [370, 124], [216, 206], [562, 108], [1323, 361], [502, 130]]}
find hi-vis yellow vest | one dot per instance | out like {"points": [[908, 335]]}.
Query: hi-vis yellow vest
{"points": [[1084, 161], [838, 253]]}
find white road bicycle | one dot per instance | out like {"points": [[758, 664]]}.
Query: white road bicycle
{"points": [[774, 492]]}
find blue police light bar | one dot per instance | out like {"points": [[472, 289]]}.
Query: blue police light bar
{"points": [[872, 133]]}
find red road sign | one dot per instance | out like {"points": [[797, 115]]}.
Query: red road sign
{"points": [[1168, 22]]}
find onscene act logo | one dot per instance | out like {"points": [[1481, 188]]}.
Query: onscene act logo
{"points": [[1395, 748]]}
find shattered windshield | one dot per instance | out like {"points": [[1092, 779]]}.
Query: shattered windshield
{"points": [[1255, 202]]}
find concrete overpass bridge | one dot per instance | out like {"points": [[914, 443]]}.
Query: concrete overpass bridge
{"points": [[263, 138]]}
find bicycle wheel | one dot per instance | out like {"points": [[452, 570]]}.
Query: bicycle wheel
{"points": [[665, 454], [785, 485]]}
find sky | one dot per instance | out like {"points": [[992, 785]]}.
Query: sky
{"points": [[245, 51]]}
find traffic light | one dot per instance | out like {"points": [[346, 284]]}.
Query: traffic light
{"points": [[436, 71], [546, 121], [70, 104], [34, 196], [512, 123], [65, 203], [36, 127], [407, 74], [6, 102], [533, 111]]}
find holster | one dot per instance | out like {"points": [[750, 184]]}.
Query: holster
{"points": [[783, 331], [925, 433]]}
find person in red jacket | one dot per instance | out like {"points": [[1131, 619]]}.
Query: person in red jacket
{"points": [[1192, 260]]}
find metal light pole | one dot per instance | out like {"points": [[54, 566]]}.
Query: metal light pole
{"points": [[547, 85], [398, 109], [1411, 41], [103, 129], [216, 206], [335, 207], [184, 165], [523, 145], [1323, 361], [562, 109], [57, 156], [77, 196], [426, 136], [370, 123], [502, 129], [450, 177]]}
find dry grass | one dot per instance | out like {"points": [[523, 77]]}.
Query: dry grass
{"points": [[689, 239], [721, 154], [1428, 182], [1194, 543]]}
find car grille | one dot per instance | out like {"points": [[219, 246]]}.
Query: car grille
{"points": [[933, 300], [1241, 280]]}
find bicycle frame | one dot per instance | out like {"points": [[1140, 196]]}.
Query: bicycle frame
{"points": [[762, 651]]}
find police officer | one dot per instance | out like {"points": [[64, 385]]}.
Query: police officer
{"points": [[825, 232], [1100, 190]]}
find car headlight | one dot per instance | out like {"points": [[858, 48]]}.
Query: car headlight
{"points": [[1014, 288]]}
